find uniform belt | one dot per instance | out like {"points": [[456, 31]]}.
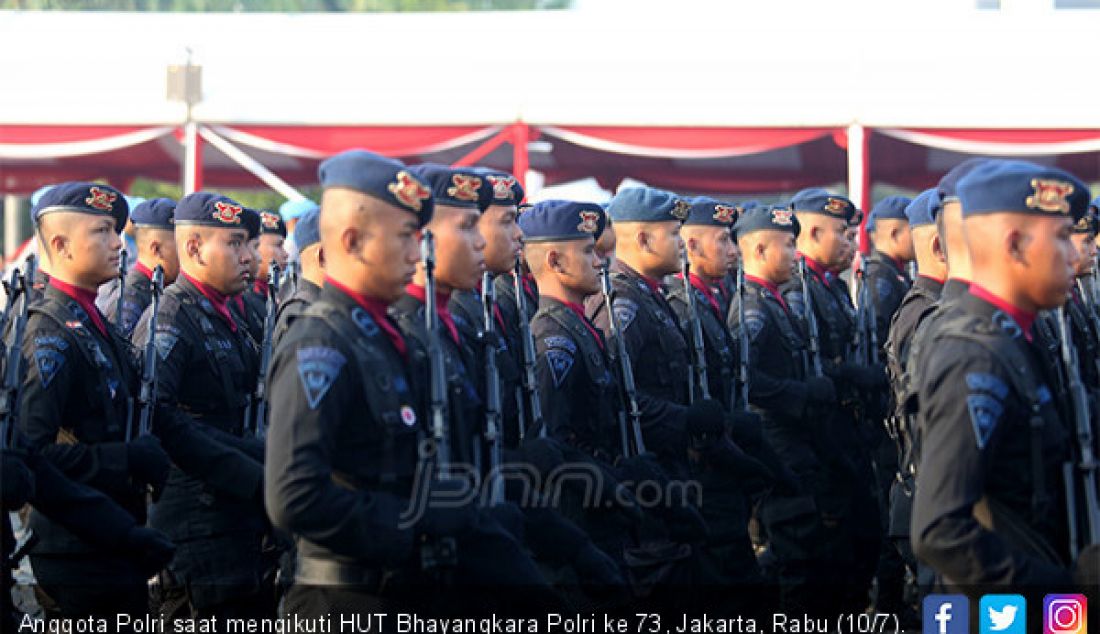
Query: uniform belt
{"points": [[326, 572]]}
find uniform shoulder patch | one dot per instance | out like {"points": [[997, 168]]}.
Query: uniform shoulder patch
{"points": [[364, 321], [558, 341], [985, 412], [318, 368], [1006, 323], [754, 324], [164, 342], [560, 363], [49, 362], [625, 312]]}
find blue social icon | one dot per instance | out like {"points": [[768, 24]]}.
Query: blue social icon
{"points": [[946, 614], [1002, 614]]}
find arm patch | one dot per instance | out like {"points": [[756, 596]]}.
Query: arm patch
{"points": [[318, 368], [560, 363]]}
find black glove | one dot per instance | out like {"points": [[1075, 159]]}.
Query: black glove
{"points": [[451, 509], [820, 391], [17, 484], [729, 457], [148, 462], [150, 549], [706, 423], [595, 567], [544, 454], [745, 428], [863, 377]]}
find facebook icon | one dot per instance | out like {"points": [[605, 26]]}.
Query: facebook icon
{"points": [[946, 614]]}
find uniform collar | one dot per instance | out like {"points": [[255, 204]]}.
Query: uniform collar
{"points": [[140, 267], [707, 289], [442, 300], [579, 310], [376, 308], [929, 283], [898, 265], [217, 300], [771, 287], [816, 267], [1024, 319], [85, 299], [954, 288]]}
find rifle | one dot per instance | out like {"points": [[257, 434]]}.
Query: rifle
{"points": [[1090, 312], [1087, 466], [530, 388], [698, 374], [11, 289], [259, 396], [866, 320], [123, 258], [629, 391], [810, 319], [148, 395], [9, 391], [743, 341], [492, 390], [436, 370]]}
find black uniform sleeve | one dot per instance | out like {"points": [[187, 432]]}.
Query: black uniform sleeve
{"points": [[953, 472], [556, 377], [300, 492], [49, 382], [195, 452]]}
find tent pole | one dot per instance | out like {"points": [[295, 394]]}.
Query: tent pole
{"points": [[13, 229], [192, 158], [520, 159], [254, 167], [859, 178], [485, 149]]}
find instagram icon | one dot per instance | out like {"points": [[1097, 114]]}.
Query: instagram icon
{"points": [[1065, 614]]}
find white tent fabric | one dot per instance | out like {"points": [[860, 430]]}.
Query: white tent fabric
{"points": [[785, 63]]}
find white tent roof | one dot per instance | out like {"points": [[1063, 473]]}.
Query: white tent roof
{"points": [[778, 63]]}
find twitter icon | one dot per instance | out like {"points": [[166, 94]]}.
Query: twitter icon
{"points": [[1003, 614]]}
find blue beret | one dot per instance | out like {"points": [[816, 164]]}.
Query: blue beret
{"points": [[925, 208], [819, 201], [746, 205], [506, 189], [889, 208], [708, 212], [1088, 223], [767, 218], [271, 223], [647, 204], [155, 212], [39, 193], [456, 186], [1095, 204], [206, 209], [950, 180], [308, 230], [562, 220], [383, 178], [998, 186], [292, 209], [84, 198]]}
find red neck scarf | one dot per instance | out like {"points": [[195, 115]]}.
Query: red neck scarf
{"points": [[86, 300], [708, 292], [376, 308], [260, 286], [140, 267], [816, 267], [577, 308], [441, 308], [217, 300]]}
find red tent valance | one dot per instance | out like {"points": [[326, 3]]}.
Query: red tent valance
{"points": [[684, 143], [1001, 142]]}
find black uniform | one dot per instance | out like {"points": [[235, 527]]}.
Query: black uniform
{"points": [[986, 460], [73, 410], [136, 298], [1086, 339], [506, 296], [924, 293], [887, 283], [721, 350], [858, 386], [294, 305], [650, 330], [251, 307], [212, 506]]}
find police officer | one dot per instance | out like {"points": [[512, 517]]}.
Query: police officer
{"points": [[360, 535], [311, 259], [1079, 309], [74, 403], [154, 236], [251, 304], [952, 234], [647, 227], [498, 228], [787, 395], [887, 277], [206, 371], [292, 212], [988, 507], [922, 214]]}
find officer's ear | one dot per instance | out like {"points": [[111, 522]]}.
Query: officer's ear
{"points": [[1016, 243], [193, 247], [321, 257], [938, 251], [554, 260]]}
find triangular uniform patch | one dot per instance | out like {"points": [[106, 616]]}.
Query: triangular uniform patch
{"points": [[164, 342], [625, 312], [318, 368], [985, 412], [49, 363], [560, 363]]}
